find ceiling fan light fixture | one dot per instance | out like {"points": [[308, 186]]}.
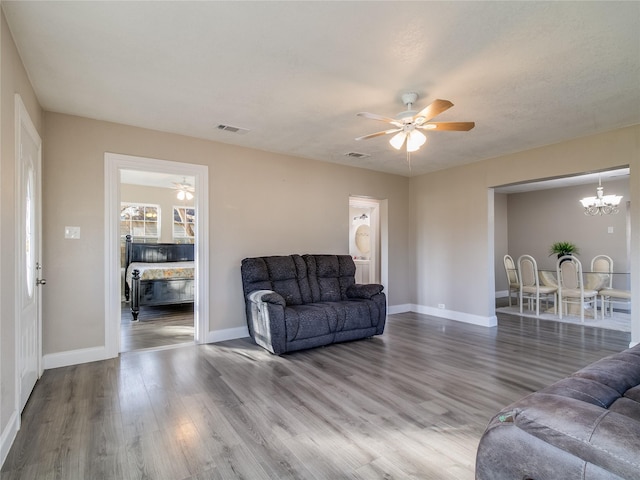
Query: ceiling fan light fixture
{"points": [[415, 139], [398, 140]]}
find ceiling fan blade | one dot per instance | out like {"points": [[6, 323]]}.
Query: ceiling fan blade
{"points": [[448, 126], [378, 134], [435, 108], [380, 118]]}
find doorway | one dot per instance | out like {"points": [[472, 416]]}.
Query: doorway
{"points": [[156, 209], [365, 238], [115, 165]]}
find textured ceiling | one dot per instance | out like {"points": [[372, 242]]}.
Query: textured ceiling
{"points": [[296, 73]]}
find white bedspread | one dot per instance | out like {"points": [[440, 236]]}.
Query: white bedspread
{"points": [[156, 271]]}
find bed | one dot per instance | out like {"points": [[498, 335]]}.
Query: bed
{"points": [[158, 274]]}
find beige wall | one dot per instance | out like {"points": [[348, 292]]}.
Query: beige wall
{"points": [[451, 213], [13, 79], [259, 204]]}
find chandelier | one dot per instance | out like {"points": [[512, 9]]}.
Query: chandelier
{"points": [[601, 204]]}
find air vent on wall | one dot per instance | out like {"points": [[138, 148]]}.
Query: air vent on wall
{"points": [[357, 155], [229, 128]]}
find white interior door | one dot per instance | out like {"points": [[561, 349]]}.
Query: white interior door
{"points": [[28, 268]]}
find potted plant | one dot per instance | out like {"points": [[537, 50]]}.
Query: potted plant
{"points": [[563, 248]]}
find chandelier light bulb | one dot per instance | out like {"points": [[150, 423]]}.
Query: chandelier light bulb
{"points": [[415, 139], [398, 140]]}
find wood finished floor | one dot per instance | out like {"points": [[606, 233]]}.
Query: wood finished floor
{"points": [[159, 326], [411, 404]]}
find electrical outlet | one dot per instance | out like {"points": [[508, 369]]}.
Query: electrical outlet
{"points": [[441, 306]]}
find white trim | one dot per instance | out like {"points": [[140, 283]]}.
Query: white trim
{"points": [[227, 334], [502, 293], [115, 162], [74, 357], [9, 435], [490, 321], [392, 309]]}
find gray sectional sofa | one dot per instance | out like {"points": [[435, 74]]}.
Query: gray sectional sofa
{"points": [[296, 302], [586, 426]]}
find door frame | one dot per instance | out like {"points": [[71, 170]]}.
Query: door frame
{"points": [[23, 119], [115, 162]]}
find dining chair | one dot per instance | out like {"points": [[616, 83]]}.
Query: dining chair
{"points": [[603, 264], [530, 287], [571, 289], [512, 276], [608, 295]]}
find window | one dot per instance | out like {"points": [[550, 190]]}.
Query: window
{"points": [[184, 224], [141, 221]]}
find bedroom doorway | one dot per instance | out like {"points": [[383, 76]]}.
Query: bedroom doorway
{"points": [[143, 197], [157, 210]]}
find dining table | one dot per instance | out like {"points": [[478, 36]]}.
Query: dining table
{"points": [[591, 280]]}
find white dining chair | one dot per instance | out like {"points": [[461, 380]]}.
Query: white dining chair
{"points": [[512, 276], [571, 289], [530, 288], [608, 294]]}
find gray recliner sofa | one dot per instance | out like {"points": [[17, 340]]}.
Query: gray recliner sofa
{"points": [[586, 426], [296, 302]]}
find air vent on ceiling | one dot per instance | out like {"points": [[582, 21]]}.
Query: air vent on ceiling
{"points": [[232, 129], [357, 155]]}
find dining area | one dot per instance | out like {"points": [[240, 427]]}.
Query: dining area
{"points": [[568, 290]]}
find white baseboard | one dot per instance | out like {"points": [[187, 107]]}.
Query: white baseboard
{"points": [[8, 436], [74, 357], [491, 321], [502, 294], [227, 334], [407, 307], [94, 354]]}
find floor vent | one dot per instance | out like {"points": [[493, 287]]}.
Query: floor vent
{"points": [[357, 155], [229, 128]]}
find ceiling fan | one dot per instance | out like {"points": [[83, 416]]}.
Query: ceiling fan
{"points": [[407, 125], [185, 190]]}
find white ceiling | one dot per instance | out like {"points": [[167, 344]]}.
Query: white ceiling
{"points": [[296, 73]]}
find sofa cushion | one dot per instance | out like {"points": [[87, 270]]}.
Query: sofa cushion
{"points": [[330, 276], [591, 418], [310, 320], [352, 315], [286, 275]]}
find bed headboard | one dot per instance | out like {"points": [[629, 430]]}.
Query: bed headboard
{"points": [[157, 252]]}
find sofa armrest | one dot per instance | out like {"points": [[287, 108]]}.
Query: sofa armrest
{"points": [[265, 315], [268, 296], [361, 290]]}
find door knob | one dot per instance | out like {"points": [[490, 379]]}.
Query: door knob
{"points": [[41, 281]]}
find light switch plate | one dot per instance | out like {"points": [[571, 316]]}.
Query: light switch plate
{"points": [[72, 232]]}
